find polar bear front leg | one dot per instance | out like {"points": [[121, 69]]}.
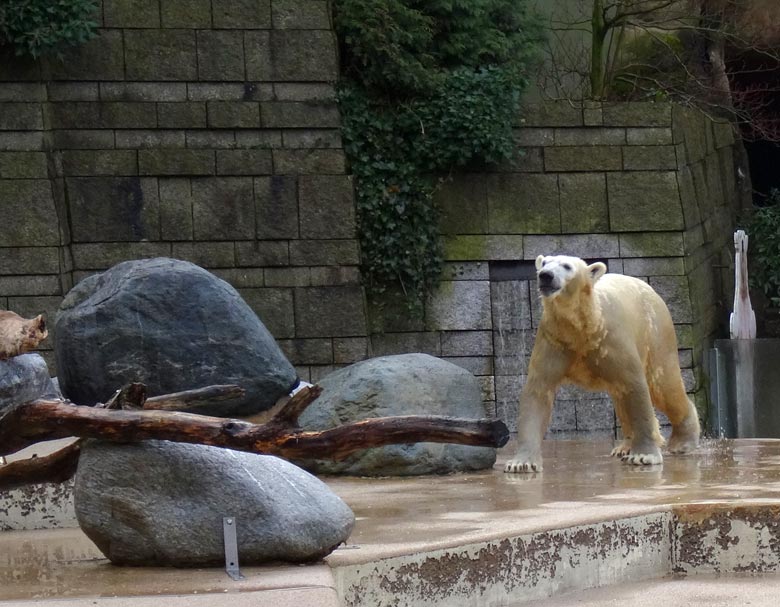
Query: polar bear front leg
{"points": [[545, 373], [645, 440]]}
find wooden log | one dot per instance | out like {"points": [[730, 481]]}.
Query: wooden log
{"points": [[54, 468], [27, 424], [192, 399]]}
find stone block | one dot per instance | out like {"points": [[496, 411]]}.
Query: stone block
{"points": [[593, 114], [458, 306], [223, 208], [29, 215], [525, 160], [302, 56], [312, 138], [300, 14], [244, 162], [128, 115], [23, 165], [23, 91], [348, 350], [143, 91], [388, 344], [220, 55], [217, 139], [674, 291], [579, 158], [534, 137], [242, 278], [24, 286], [233, 114], [145, 139], [550, 114], [483, 248], [636, 113], [113, 209], [276, 205], [308, 162], [476, 365], [649, 136], [587, 246], [131, 13], [583, 200], [259, 253], [190, 115], [73, 91], [98, 59], [300, 114], [83, 139], [206, 254], [462, 203], [654, 266], [723, 133], [175, 209], [259, 60], [304, 91], [523, 204], [308, 351], [644, 202], [229, 91], [20, 117], [649, 158], [29, 260], [85, 163], [21, 141], [259, 138], [330, 312], [160, 55], [325, 276], [327, 206], [187, 14], [242, 14], [274, 307], [590, 136], [467, 343], [652, 244], [100, 256], [176, 162], [465, 270], [324, 252], [287, 277], [594, 413], [389, 312], [14, 68]]}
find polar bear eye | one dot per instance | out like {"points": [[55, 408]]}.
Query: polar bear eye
{"points": [[567, 267]]}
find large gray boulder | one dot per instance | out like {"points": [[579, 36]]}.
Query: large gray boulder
{"points": [[22, 379], [406, 384], [171, 325], [162, 503]]}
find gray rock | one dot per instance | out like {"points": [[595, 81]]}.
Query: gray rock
{"points": [[162, 503], [171, 325], [407, 384], [22, 379]]}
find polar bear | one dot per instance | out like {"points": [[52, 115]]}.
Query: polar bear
{"points": [[610, 333]]}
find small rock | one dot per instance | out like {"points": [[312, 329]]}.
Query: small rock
{"points": [[173, 326], [406, 384], [22, 379], [162, 503]]}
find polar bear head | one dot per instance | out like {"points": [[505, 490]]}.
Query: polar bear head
{"points": [[563, 275]]}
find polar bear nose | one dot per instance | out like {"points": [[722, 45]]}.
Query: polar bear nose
{"points": [[545, 277]]}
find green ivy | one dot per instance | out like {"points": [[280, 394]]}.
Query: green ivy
{"points": [[764, 232], [37, 27], [429, 86]]}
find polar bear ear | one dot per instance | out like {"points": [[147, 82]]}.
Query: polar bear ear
{"points": [[539, 262], [597, 270]]}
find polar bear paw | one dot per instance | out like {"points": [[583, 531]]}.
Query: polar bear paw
{"points": [[622, 450], [643, 459], [521, 464]]}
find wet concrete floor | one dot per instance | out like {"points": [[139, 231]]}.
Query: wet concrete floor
{"points": [[400, 516]]}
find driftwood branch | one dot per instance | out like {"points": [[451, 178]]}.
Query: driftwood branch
{"points": [[30, 423]]}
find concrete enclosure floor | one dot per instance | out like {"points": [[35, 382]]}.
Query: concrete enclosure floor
{"points": [[476, 539]]}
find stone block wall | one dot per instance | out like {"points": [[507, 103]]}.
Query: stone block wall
{"points": [[204, 130]]}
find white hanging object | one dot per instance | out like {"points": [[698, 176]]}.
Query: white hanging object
{"points": [[742, 323]]}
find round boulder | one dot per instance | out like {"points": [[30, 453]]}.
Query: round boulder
{"points": [[22, 379], [406, 384], [171, 325], [162, 503]]}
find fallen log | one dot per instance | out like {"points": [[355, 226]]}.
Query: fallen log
{"points": [[29, 423]]}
